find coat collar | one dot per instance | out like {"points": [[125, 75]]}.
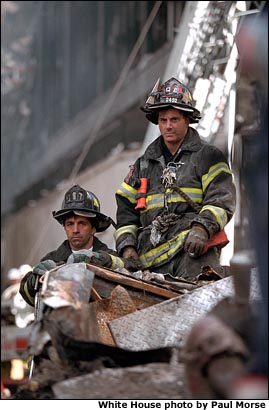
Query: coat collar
{"points": [[192, 142]]}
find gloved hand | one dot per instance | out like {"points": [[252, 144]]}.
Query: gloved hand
{"points": [[195, 242], [101, 258], [130, 253], [78, 258], [40, 269], [133, 265]]}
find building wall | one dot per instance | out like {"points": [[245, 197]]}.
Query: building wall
{"points": [[58, 60]]}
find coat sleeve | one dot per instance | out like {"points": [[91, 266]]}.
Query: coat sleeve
{"points": [[27, 290], [128, 218], [59, 256], [219, 194]]}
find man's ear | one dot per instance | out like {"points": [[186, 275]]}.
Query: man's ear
{"points": [[93, 230]]}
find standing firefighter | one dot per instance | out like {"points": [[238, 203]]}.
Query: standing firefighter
{"points": [[178, 195]]}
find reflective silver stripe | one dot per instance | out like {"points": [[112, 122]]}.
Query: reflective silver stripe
{"points": [[196, 194], [117, 263], [214, 171], [157, 200], [219, 213], [163, 252], [128, 192], [132, 229]]}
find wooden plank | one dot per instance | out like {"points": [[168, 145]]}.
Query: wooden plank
{"points": [[135, 283]]}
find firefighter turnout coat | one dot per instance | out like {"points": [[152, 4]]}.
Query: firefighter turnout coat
{"points": [[201, 171]]}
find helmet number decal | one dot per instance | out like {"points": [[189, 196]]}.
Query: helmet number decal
{"points": [[170, 100], [74, 196]]}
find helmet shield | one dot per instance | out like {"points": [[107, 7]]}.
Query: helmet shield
{"points": [[84, 203], [173, 94]]}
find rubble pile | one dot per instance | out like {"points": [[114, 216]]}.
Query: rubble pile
{"points": [[131, 340]]}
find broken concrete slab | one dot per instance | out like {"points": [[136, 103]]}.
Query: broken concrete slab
{"points": [[153, 381]]}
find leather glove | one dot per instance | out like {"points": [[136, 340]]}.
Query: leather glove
{"points": [[130, 253], [101, 258], [195, 242], [39, 271], [78, 258], [132, 265]]}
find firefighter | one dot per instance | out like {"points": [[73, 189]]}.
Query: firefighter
{"points": [[81, 218], [178, 196]]}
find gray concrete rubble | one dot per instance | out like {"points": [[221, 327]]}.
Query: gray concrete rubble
{"points": [[155, 380]]}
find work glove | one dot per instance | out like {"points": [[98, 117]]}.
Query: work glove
{"points": [[132, 265], [101, 258], [39, 271], [195, 242], [130, 253], [78, 258]]}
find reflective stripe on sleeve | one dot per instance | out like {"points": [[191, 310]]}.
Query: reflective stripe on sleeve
{"points": [[117, 263], [128, 192], [131, 229], [219, 213], [213, 172]]}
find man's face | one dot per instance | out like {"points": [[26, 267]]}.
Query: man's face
{"points": [[173, 126], [79, 232]]}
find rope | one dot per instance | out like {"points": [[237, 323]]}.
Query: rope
{"points": [[196, 207]]}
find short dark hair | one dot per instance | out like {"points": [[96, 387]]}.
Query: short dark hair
{"points": [[93, 221]]}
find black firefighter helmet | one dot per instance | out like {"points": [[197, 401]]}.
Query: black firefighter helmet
{"points": [[84, 203], [173, 94]]}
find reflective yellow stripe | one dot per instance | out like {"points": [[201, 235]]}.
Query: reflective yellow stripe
{"points": [[132, 229], [30, 298], [164, 251], [219, 213], [157, 200], [117, 263], [193, 192], [128, 192], [213, 172]]}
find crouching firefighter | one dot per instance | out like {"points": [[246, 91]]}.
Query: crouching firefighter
{"points": [[81, 218], [178, 196]]}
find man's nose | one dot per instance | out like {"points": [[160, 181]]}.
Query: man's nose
{"points": [[168, 124], [75, 227]]}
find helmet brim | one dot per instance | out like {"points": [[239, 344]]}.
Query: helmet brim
{"points": [[102, 222], [153, 111]]}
